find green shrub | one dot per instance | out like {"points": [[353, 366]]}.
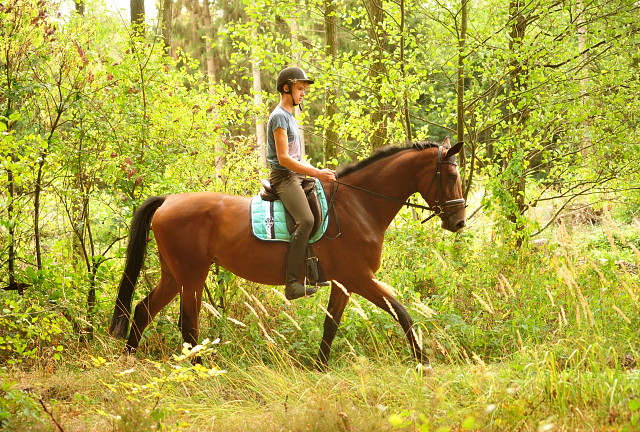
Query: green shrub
{"points": [[29, 331]]}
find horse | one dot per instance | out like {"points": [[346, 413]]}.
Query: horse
{"points": [[194, 230]]}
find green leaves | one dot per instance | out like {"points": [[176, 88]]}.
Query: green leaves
{"points": [[26, 330], [634, 405]]}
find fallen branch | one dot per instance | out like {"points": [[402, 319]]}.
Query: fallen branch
{"points": [[50, 415]]}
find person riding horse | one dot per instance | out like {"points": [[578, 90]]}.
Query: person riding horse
{"points": [[288, 169]]}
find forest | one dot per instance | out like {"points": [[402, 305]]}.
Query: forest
{"points": [[529, 316]]}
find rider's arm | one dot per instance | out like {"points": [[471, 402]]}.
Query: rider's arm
{"points": [[282, 149]]}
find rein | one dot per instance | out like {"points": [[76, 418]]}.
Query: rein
{"points": [[407, 203], [437, 209]]}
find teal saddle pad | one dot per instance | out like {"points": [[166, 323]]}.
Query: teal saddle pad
{"points": [[269, 220]]}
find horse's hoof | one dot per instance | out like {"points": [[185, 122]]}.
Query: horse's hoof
{"points": [[128, 356], [321, 366], [424, 369], [127, 359]]}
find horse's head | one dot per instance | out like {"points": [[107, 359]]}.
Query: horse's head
{"points": [[441, 187]]}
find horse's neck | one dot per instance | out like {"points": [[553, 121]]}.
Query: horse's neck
{"points": [[393, 177]]}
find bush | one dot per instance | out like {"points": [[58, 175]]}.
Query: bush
{"points": [[29, 332]]}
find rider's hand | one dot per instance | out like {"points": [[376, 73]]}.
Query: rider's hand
{"points": [[326, 175]]}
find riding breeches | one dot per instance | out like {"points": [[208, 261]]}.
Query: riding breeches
{"points": [[288, 186]]}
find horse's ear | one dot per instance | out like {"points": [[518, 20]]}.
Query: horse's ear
{"points": [[446, 143], [455, 149]]}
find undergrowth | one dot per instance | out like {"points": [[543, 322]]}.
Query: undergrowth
{"points": [[537, 338]]}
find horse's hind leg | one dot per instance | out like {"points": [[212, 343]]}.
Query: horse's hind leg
{"points": [[374, 291], [190, 301], [146, 310], [338, 300]]}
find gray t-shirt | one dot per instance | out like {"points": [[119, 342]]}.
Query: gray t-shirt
{"points": [[281, 118]]}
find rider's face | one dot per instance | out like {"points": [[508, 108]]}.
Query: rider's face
{"points": [[298, 90]]}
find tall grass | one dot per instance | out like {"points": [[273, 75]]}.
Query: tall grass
{"points": [[519, 339]]}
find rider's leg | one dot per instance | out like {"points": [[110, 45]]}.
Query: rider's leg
{"points": [[295, 260], [290, 191]]}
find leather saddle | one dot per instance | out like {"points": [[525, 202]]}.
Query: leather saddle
{"points": [[309, 186]]}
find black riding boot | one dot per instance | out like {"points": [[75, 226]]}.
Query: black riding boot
{"points": [[295, 258]]}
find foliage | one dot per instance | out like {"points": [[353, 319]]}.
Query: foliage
{"points": [[548, 114], [17, 408], [30, 332], [94, 118], [134, 401]]}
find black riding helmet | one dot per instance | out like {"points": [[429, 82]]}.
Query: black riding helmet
{"points": [[291, 75]]}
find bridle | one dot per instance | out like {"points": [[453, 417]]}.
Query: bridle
{"points": [[436, 210]]}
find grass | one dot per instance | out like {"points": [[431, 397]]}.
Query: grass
{"points": [[530, 340], [533, 389]]}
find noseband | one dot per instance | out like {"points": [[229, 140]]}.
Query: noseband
{"points": [[436, 210]]}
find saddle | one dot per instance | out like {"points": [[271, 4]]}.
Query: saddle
{"points": [[314, 272], [310, 189]]}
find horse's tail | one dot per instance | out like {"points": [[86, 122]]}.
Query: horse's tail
{"points": [[136, 252]]}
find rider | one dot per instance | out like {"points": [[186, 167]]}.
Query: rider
{"points": [[288, 169]]}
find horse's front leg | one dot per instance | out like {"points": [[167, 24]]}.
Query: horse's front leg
{"points": [[374, 291], [338, 300]]}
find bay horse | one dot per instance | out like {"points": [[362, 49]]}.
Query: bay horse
{"points": [[194, 230]]}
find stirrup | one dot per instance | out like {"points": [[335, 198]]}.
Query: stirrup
{"points": [[297, 290], [317, 284]]}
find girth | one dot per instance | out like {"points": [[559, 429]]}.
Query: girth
{"points": [[309, 186]]}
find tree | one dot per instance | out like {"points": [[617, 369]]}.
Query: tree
{"points": [[331, 136], [460, 111], [22, 30], [375, 29], [166, 24], [79, 7], [405, 101], [208, 40], [137, 16], [257, 95], [295, 61]]}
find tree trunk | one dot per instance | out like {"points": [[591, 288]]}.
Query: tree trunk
{"points": [[376, 72], [38, 186], [518, 82], [295, 56], [137, 16], [582, 32], [405, 101], [12, 227], [167, 24], [79, 202], [460, 82], [331, 93], [211, 72], [36, 211], [193, 25], [11, 191], [79, 7], [92, 269], [257, 99]]}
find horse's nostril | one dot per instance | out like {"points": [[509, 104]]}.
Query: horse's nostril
{"points": [[461, 224]]}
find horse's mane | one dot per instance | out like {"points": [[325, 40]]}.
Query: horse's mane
{"points": [[381, 154]]}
